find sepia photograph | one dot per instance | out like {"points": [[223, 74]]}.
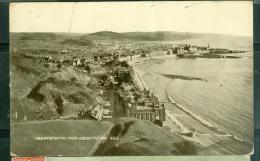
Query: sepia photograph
{"points": [[153, 158], [131, 78]]}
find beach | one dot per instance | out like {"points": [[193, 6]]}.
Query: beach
{"points": [[181, 119]]}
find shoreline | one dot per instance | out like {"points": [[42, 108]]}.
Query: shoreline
{"points": [[215, 131], [141, 83]]}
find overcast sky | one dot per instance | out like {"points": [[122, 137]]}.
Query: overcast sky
{"points": [[207, 17]]}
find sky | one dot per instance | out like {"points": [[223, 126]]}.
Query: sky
{"points": [[225, 17]]}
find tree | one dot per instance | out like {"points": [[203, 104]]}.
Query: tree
{"points": [[59, 103]]}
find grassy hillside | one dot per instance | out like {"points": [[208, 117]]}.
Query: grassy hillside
{"points": [[138, 137], [106, 35], [37, 89], [85, 43], [23, 137], [126, 137]]}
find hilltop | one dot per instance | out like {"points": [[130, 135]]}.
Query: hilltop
{"points": [[107, 33]]}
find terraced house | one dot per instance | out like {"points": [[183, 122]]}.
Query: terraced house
{"points": [[139, 104]]}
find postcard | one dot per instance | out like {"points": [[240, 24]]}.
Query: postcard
{"points": [[131, 78], [138, 158]]}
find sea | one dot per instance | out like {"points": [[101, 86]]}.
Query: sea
{"points": [[223, 96]]}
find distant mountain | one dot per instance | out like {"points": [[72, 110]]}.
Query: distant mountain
{"points": [[159, 36], [201, 39], [105, 35], [33, 36], [140, 36]]}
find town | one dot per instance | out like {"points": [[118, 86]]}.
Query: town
{"points": [[112, 74]]}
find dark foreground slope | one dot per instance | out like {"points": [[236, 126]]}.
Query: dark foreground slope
{"points": [[24, 137], [124, 137], [137, 137]]}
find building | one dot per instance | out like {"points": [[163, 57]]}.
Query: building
{"points": [[124, 74], [97, 112], [142, 105], [146, 112]]}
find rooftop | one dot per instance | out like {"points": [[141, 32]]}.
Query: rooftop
{"points": [[143, 108]]}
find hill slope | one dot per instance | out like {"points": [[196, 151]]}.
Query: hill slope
{"points": [[137, 137], [78, 42], [42, 92], [24, 142]]}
